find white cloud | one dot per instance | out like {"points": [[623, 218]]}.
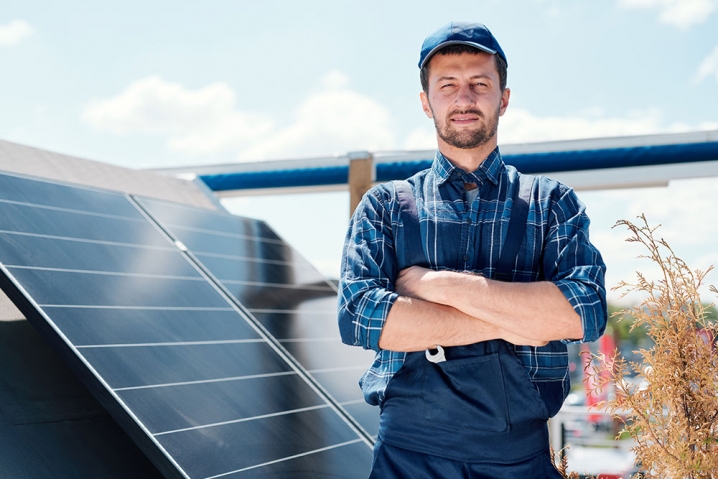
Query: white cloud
{"points": [[686, 212], [687, 205], [335, 80], [14, 32], [334, 120], [519, 125], [421, 139], [708, 67], [199, 121], [679, 13], [207, 120]]}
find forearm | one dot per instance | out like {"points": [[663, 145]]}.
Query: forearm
{"points": [[414, 325], [538, 311]]}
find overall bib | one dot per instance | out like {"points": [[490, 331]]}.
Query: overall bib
{"points": [[478, 405]]}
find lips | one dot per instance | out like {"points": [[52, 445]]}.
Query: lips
{"points": [[464, 117]]}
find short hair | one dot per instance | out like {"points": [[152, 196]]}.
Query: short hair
{"points": [[458, 49]]}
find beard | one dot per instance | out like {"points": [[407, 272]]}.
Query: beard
{"points": [[468, 139]]}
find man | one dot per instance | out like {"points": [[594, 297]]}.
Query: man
{"points": [[468, 368]]}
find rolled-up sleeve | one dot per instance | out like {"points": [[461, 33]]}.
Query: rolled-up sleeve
{"points": [[368, 271], [574, 264]]}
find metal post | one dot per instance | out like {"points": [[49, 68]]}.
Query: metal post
{"points": [[556, 434], [361, 176]]}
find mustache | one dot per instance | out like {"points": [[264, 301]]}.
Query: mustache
{"points": [[465, 112]]}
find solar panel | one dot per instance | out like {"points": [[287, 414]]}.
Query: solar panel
{"points": [[197, 385], [278, 288]]}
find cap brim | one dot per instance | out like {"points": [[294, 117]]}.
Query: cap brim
{"points": [[478, 46]]}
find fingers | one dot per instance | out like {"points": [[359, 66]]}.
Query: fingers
{"points": [[521, 341]]}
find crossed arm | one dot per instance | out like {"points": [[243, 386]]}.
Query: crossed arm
{"points": [[451, 308], [417, 308]]}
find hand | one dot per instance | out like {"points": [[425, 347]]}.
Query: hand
{"points": [[414, 282], [521, 341]]}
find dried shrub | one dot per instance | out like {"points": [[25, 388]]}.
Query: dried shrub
{"points": [[670, 407], [561, 464]]}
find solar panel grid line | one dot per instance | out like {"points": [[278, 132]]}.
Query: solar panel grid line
{"points": [[241, 305], [150, 308], [106, 273], [366, 415], [283, 353], [305, 340], [278, 285], [168, 343], [34, 313], [236, 269], [177, 363], [219, 214], [306, 268], [316, 451], [288, 311], [70, 210], [87, 289], [220, 233], [242, 258], [82, 240], [213, 281], [29, 181], [208, 381], [26, 217], [348, 418], [279, 241], [336, 370], [244, 419]]}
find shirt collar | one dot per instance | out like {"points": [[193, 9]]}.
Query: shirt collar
{"points": [[489, 169]]}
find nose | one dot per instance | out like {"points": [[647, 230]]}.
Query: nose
{"points": [[464, 97]]}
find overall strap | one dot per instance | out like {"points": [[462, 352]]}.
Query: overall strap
{"points": [[516, 229], [413, 253]]}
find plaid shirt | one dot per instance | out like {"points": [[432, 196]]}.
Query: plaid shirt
{"points": [[468, 236]]}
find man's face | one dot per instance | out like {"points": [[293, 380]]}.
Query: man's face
{"points": [[465, 99]]}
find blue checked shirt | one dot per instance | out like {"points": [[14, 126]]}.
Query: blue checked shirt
{"points": [[460, 234]]}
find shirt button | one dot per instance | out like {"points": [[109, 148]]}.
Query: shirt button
{"points": [[466, 257]]}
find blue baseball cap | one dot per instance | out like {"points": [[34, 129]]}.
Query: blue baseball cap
{"points": [[460, 33]]}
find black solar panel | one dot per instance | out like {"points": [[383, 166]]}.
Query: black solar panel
{"points": [[178, 363], [291, 300]]}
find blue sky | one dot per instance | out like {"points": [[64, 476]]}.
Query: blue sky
{"points": [[153, 84]]}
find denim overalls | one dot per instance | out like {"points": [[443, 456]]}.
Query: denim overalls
{"points": [[478, 405]]}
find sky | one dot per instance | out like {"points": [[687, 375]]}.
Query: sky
{"points": [[161, 84]]}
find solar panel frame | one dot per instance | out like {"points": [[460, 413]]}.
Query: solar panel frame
{"points": [[69, 351]]}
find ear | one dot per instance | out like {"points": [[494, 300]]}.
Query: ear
{"points": [[504, 101], [425, 105]]}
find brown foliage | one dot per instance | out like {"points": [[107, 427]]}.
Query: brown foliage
{"points": [[671, 408], [561, 464]]}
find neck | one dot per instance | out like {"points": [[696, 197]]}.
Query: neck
{"points": [[467, 159]]}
